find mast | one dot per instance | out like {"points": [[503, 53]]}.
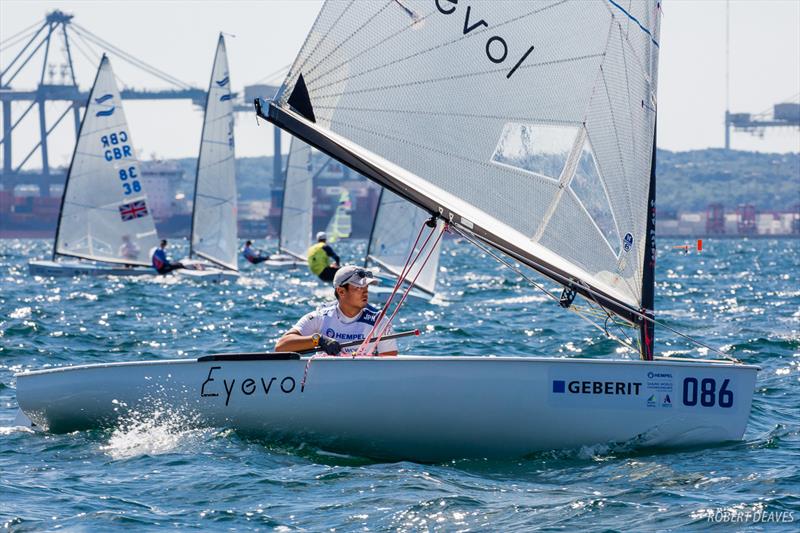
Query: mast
{"points": [[372, 229], [347, 154], [72, 160], [646, 323], [200, 152]]}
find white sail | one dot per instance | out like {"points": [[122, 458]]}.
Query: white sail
{"points": [[396, 227], [104, 212], [297, 211], [341, 224], [530, 122], [214, 233]]}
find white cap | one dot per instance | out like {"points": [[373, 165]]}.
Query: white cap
{"points": [[322, 236], [353, 275]]}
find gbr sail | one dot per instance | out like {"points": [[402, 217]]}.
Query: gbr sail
{"points": [[214, 233], [104, 214], [530, 124], [394, 231], [297, 209]]}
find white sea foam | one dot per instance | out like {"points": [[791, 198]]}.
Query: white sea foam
{"points": [[155, 433]]}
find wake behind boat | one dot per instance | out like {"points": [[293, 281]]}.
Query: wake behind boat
{"points": [[104, 218], [213, 245]]}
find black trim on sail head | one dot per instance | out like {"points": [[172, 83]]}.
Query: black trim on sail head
{"points": [[200, 152], [372, 229], [647, 325], [286, 121], [301, 101], [104, 59]]}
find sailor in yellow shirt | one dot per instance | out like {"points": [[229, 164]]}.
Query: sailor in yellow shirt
{"points": [[319, 256]]}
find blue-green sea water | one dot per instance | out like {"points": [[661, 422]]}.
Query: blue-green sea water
{"points": [[740, 295]]}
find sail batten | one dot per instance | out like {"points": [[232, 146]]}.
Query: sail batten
{"points": [[105, 215], [534, 122], [214, 232]]}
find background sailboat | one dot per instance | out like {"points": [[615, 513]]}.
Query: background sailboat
{"points": [[214, 231], [340, 225], [104, 214], [395, 228], [297, 209]]}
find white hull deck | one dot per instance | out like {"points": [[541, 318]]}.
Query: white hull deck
{"points": [[283, 262], [202, 271], [81, 268], [407, 407]]}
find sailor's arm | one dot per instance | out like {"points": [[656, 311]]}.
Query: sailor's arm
{"points": [[293, 341]]}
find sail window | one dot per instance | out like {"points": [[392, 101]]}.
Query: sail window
{"points": [[589, 189], [536, 148]]}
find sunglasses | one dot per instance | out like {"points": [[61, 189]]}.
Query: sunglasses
{"points": [[360, 273]]}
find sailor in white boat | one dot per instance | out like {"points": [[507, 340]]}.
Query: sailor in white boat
{"points": [[252, 255], [319, 256], [128, 249], [349, 318], [160, 261]]}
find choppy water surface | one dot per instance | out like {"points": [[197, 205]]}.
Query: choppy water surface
{"points": [[743, 296]]}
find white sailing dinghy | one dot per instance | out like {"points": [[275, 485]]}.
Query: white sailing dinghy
{"points": [[104, 219], [512, 121], [297, 209], [214, 232], [394, 232]]}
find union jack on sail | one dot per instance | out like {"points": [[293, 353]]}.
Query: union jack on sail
{"points": [[133, 210]]}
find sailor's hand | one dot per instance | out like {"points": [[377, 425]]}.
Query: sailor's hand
{"points": [[330, 346], [334, 265]]}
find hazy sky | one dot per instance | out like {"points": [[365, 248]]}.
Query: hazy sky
{"points": [[179, 37]]}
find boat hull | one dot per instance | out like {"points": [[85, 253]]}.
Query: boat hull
{"points": [[202, 271], [78, 268], [418, 408], [283, 262]]}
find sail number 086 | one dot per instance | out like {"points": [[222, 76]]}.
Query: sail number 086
{"points": [[705, 391]]}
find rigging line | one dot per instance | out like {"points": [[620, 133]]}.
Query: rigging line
{"points": [[132, 59], [20, 32], [589, 291], [7, 44], [397, 285], [548, 63], [432, 48], [537, 285], [413, 282]]}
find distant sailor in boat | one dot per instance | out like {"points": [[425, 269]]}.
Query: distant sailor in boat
{"points": [[128, 249], [252, 255], [319, 256], [347, 319], [160, 261]]}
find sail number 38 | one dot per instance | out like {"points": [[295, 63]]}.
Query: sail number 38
{"points": [[705, 391]]}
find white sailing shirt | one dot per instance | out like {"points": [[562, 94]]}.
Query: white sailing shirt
{"points": [[331, 322]]}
